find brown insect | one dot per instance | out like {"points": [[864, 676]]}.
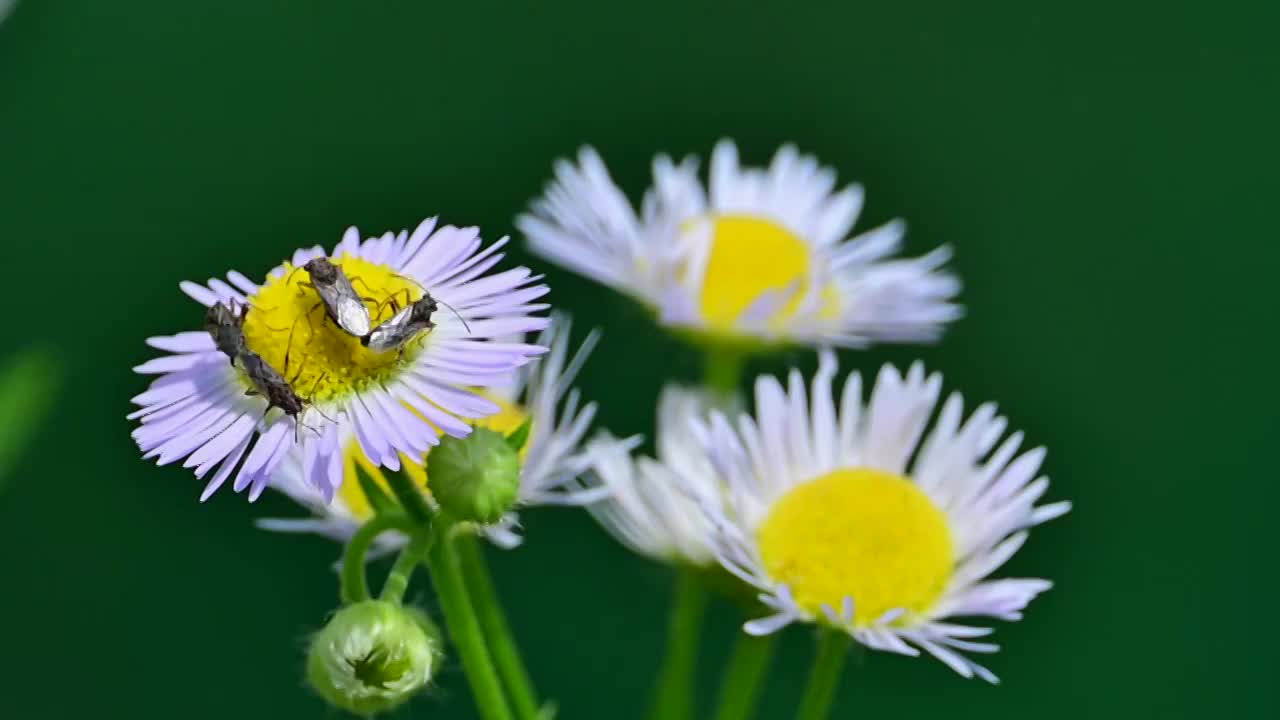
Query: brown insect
{"points": [[226, 326]]}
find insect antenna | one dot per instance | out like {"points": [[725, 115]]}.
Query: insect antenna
{"points": [[455, 314], [428, 294]]}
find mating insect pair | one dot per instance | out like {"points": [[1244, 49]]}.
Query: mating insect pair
{"points": [[347, 309], [226, 326]]}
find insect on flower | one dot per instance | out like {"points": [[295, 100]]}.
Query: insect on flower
{"points": [[341, 302], [396, 404], [405, 324], [272, 385], [226, 326]]}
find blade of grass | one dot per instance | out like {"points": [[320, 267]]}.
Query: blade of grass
{"points": [[28, 383]]}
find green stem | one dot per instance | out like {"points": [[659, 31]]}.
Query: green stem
{"points": [[674, 695], [722, 369], [743, 679], [484, 598], [464, 626], [354, 581], [409, 558], [824, 678]]}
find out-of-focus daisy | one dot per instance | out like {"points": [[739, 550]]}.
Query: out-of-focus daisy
{"points": [[540, 394], [651, 506], [392, 402], [760, 256], [828, 515]]}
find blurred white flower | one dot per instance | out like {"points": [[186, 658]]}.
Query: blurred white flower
{"points": [[760, 256]]}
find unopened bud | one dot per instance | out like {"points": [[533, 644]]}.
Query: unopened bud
{"points": [[476, 478], [373, 656]]}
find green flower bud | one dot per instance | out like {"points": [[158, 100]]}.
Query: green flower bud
{"points": [[373, 656], [476, 478]]}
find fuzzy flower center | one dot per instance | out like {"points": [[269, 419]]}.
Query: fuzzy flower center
{"points": [[289, 327], [860, 533], [751, 256], [506, 421]]}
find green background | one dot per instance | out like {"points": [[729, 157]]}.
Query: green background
{"points": [[1103, 171]]}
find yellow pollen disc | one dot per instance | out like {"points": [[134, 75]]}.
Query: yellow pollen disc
{"points": [[750, 256], [287, 318], [506, 421], [860, 533]]}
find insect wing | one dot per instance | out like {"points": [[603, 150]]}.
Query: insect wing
{"points": [[393, 333], [351, 314]]}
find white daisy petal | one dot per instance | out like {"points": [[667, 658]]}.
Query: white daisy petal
{"points": [[225, 469], [768, 625], [653, 504], [859, 515]]}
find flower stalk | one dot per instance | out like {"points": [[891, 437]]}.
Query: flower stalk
{"points": [[744, 678], [674, 695], [354, 579], [497, 630], [824, 677], [463, 624]]}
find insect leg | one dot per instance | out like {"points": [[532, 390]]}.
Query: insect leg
{"points": [[263, 420], [302, 366], [357, 279], [304, 284], [288, 350], [311, 398], [391, 302]]}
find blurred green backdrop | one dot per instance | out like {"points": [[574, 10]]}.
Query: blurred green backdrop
{"points": [[1104, 172]]}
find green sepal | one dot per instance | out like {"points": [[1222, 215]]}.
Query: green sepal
{"points": [[379, 500], [517, 440], [409, 496]]}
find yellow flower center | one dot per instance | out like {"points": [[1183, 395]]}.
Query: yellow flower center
{"points": [[860, 533], [751, 256], [506, 421], [289, 327]]}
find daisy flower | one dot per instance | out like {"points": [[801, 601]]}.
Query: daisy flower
{"points": [[550, 461], [828, 515], [761, 256], [392, 402], [650, 505]]}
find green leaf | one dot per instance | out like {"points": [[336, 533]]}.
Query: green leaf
{"points": [[28, 383]]}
